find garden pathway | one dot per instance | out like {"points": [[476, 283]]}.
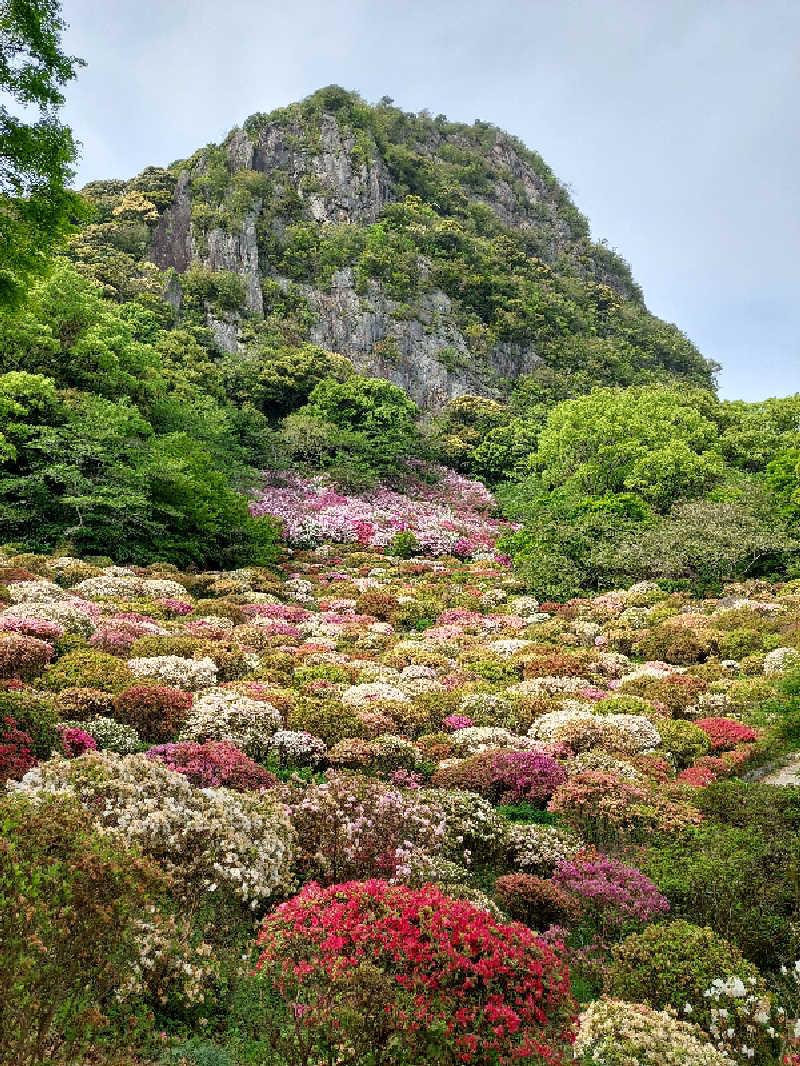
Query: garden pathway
{"points": [[785, 775]]}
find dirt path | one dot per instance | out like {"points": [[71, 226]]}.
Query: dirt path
{"points": [[785, 775]]}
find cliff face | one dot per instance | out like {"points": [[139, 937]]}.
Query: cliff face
{"points": [[396, 233]]}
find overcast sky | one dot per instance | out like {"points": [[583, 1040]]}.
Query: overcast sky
{"points": [[673, 122]]}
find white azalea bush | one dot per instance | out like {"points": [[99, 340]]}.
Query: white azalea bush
{"points": [[615, 1033], [224, 714], [188, 674], [206, 838]]}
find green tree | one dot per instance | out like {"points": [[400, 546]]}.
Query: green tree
{"points": [[36, 208], [659, 441]]}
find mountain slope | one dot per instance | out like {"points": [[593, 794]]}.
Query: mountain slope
{"points": [[443, 257]]}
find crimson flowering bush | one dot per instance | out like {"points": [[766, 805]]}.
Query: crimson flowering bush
{"points": [[75, 741], [725, 733], [610, 891], [429, 978], [16, 754], [156, 712], [214, 764], [32, 627]]}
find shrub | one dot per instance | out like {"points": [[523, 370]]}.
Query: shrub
{"points": [[536, 901], [203, 837], [224, 714], [84, 702], [610, 892], [673, 964], [683, 741], [75, 741], [154, 645], [189, 674], [737, 881], [108, 734], [16, 751], [34, 714], [297, 749], [678, 692], [458, 986], [88, 669], [725, 733], [23, 657], [603, 807], [505, 776], [156, 712], [213, 764], [675, 644], [70, 903], [615, 1033]]}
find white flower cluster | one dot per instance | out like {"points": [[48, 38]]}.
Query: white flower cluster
{"points": [[108, 734], [538, 849], [224, 714], [206, 837], [111, 586], [188, 674], [474, 831], [550, 686], [473, 739], [71, 615], [298, 748], [615, 1033], [599, 762], [641, 729], [363, 695], [506, 648], [164, 588], [777, 660], [35, 592], [740, 1009]]}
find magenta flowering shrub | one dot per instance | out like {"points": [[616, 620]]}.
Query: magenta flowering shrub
{"points": [[457, 721], [526, 776], [214, 764], [611, 891], [75, 741]]}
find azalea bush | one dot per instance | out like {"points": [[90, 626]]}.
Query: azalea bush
{"points": [[368, 965], [156, 712], [205, 838], [215, 764]]}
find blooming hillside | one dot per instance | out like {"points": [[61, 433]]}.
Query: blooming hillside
{"points": [[366, 801], [446, 516]]}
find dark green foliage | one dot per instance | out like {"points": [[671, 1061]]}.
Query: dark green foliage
{"points": [[70, 904], [36, 157], [741, 882]]}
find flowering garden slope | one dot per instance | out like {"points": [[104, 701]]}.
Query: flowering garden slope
{"points": [[379, 810]]}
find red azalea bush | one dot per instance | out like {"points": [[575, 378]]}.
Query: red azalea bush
{"points": [[431, 979], [23, 657], [157, 712], [725, 733], [214, 764], [16, 755]]}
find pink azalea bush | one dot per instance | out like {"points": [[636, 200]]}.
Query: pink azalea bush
{"points": [[214, 764]]}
